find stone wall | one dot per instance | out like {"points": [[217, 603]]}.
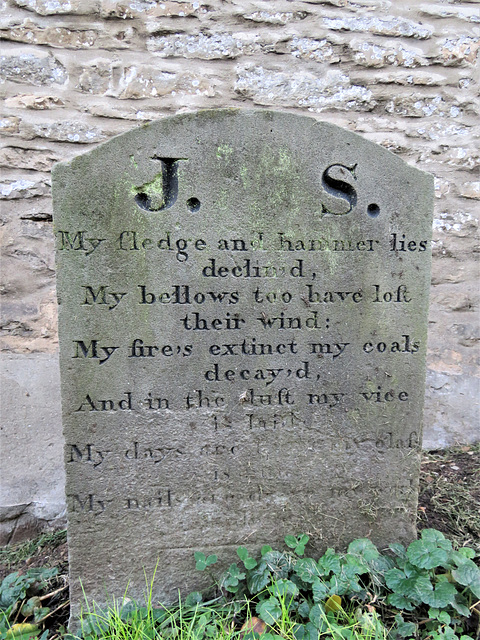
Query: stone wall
{"points": [[76, 72]]}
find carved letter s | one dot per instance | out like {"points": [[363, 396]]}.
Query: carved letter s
{"points": [[334, 183]]}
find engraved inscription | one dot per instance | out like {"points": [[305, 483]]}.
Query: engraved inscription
{"points": [[242, 341]]}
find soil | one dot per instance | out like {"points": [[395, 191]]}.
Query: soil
{"points": [[449, 501], [449, 497]]}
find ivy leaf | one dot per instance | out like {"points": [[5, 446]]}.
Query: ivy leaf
{"points": [[193, 599], [303, 609], [39, 614], [418, 588], [468, 575], [232, 588], [404, 629], [158, 615], [356, 564], [426, 554], [381, 564], [234, 571], [14, 586], [307, 569], [303, 586], [329, 562], [340, 585], [258, 578], [365, 548], [250, 563], [398, 549], [40, 575], [305, 632], [211, 631], [269, 610], [302, 543], [400, 602], [319, 590], [460, 606], [443, 595], [23, 631], [449, 634], [94, 624], [317, 616], [203, 562], [284, 588], [462, 555], [198, 631], [411, 570], [441, 616], [130, 610], [278, 563], [345, 582], [437, 538], [30, 606], [395, 579]]}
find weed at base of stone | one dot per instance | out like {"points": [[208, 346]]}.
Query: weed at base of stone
{"points": [[428, 590]]}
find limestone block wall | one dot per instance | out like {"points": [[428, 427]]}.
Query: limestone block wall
{"points": [[74, 73]]}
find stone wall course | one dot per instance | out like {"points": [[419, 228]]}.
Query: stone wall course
{"points": [[470, 190], [23, 188], [64, 131], [58, 7], [152, 9], [389, 26], [74, 73], [458, 51], [31, 68], [60, 37], [469, 14], [26, 158], [203, 46], [391, 54], [10, 125], [334, 90], [29, 101]]}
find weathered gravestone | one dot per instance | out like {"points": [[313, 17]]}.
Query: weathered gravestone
{"points": [[243, 312]]}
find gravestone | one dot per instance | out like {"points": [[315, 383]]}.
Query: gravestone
{"points": [[243, 309]]}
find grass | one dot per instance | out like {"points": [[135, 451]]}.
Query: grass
{"points": [[16, 554], [124, 620]]}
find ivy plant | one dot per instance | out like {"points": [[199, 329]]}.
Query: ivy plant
{"points": [[21, 605], [425, 590]]}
